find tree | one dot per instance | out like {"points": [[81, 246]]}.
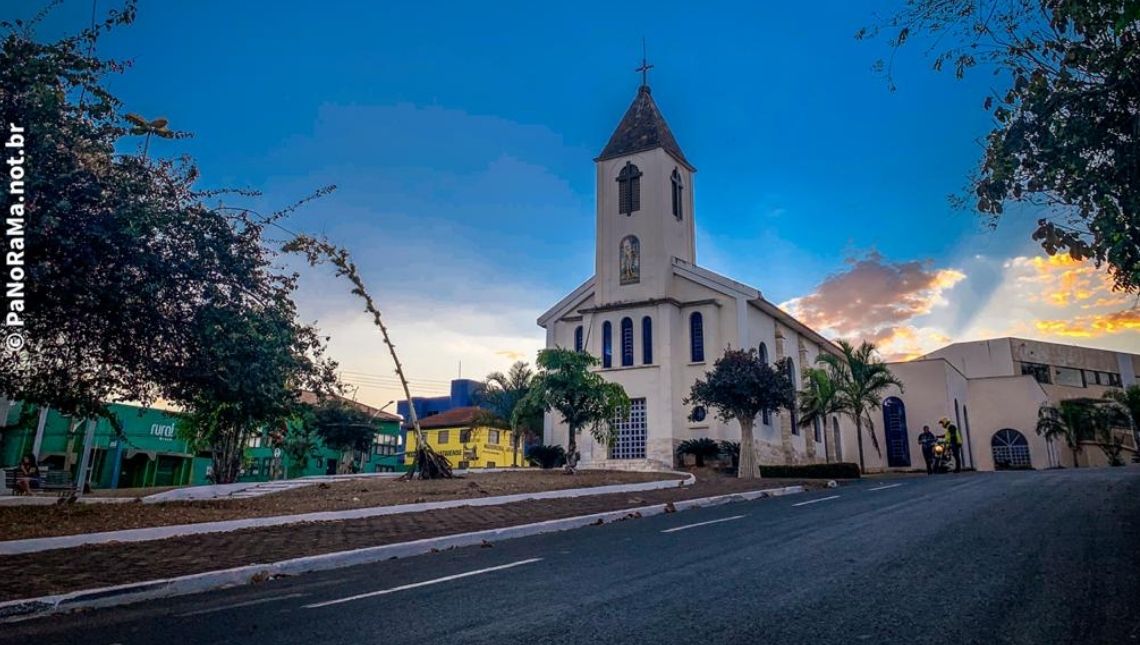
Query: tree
{"points": [[136, 288], [427, 463], [1129, 401], [818, 400], [503, 395], [860, 378], [1066, 133], [1085, 420], [302, 443], [739, 387], [566, 384], [343, 427]]}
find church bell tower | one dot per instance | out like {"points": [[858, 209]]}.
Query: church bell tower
{"points": [[644, 205]]}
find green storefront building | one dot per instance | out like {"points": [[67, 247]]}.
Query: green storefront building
{"points": [[150, 452]]}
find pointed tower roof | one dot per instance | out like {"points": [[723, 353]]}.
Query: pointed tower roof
{"points": [[643, 128]]}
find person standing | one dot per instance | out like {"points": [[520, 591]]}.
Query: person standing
{"points": [[927, 440], [954, 438]]}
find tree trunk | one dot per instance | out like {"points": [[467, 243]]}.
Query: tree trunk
{"points": [[747, 468], [1075, 450], [571, 452], [859, 437], [515, 439]]}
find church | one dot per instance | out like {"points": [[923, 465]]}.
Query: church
{"points": [[658, 321]]}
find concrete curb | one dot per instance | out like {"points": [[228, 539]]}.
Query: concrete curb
{"points": [[34, 545], [25, 609]]}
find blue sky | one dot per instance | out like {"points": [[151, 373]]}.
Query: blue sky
{"points": [[461, 136]]}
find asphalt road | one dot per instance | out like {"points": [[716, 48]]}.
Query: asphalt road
{"points": [[1048, 557]]}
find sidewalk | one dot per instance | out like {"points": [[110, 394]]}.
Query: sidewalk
{"points": [[65, 570]]}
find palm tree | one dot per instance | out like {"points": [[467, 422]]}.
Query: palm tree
{"points": [[1068, 421], [502, 395], [818, 401], [860, 377], [1129, 400]]}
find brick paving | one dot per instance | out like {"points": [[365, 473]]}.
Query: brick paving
{"points": [[87, 567]]}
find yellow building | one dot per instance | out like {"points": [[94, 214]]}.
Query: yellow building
{"points": [[462, 436]]}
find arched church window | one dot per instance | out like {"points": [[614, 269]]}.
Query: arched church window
{"points": [[607, 344], [678, 209], [626, 342], [629, 189], [579, 339], [646, 340], [630, 260], [696, 337]]}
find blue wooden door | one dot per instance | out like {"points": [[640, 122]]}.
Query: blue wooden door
{"points": [[894, 428]]}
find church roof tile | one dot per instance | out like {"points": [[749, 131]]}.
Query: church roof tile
{"points": [[643, 128]]}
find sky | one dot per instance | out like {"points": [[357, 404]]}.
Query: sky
{"points": [[460, 137]]}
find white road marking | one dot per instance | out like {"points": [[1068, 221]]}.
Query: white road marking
{"points": [[420, 584], [690, 526], [813, 501], [248, 603], [884, 487]]}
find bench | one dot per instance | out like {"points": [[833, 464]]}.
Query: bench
{"points": [[58, 481]]}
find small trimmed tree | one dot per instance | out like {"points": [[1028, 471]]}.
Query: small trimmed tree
{"points": [[739, 387], [566, 384]]}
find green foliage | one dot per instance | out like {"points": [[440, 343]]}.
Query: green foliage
{"points": [[1128, 400], [702, 448], [141, 289], [858, 379], [1075, 421], [740, 386], [819, 399], [813, 471], [302, 443], [546, 457], [565, 384], [342, 426], [1066, 133], [505, 398]]}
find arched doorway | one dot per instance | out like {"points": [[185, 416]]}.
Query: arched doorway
{"points": [[894, 427], [1011, 450]]}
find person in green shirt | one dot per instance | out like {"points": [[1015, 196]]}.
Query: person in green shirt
{"points": [[954, 438]]}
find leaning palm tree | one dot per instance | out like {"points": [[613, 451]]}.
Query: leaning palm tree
{"points": [[427, 463], [860, 378], [818, 401], [502, 397]]}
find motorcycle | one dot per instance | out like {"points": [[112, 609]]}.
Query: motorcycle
{"points": [[942, 456]]}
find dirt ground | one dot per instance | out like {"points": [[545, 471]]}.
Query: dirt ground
{"points": [[21, 522], [60, 570]]}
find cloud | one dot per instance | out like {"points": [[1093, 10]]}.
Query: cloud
{"points": [[878, 300], [1059, 299]]}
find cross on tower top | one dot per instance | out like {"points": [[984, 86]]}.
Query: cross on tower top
{"points": [[645, 66]]}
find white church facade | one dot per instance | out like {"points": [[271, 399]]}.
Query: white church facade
{"points": [[658, 321]]}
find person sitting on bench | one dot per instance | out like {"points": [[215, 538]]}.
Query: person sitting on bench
{"points": [[27, 475]]}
